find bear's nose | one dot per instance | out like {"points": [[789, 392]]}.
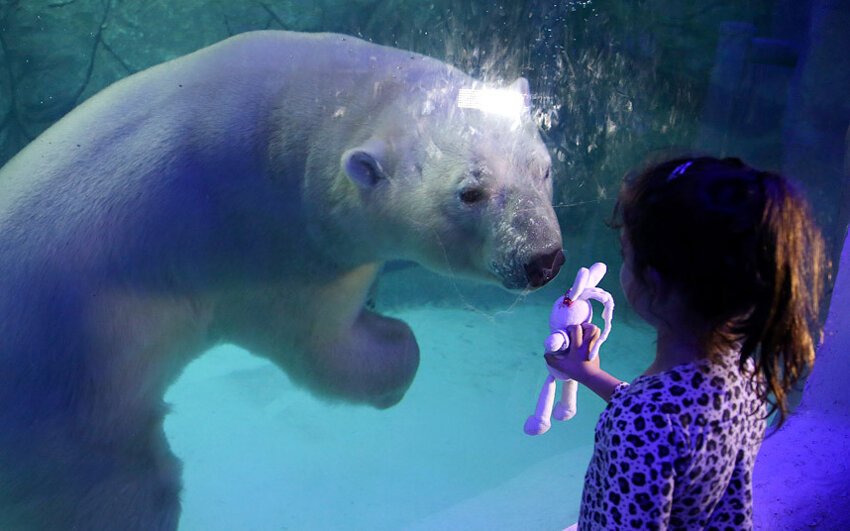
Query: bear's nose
{"points": [[543, 268]]}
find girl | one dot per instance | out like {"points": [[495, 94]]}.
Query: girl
{"points": [[725, 262]]}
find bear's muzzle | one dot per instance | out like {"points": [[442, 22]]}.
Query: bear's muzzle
{"points": [[543, 268]]}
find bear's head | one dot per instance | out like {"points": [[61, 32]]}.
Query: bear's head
{"points": [[459, 180]]}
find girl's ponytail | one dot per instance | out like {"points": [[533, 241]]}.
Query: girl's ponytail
{"points": [[783, 330]]}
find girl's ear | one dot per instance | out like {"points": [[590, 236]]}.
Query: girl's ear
{"points": [[658, 289], [656, 296]]}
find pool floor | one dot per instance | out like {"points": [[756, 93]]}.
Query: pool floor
{"points": [[261, 454]]}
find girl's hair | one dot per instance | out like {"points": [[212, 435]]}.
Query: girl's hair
{"points": [[741, 247]]}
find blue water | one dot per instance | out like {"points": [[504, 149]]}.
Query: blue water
{"points": [[262, 454]]}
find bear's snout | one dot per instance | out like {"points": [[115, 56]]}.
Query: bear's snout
{"points": [[543, 268]]}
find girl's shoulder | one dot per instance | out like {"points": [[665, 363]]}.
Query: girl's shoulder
{"points": [[698, 376], [694, 394]]}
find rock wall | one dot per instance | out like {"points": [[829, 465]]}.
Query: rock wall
{"points": [[779, 97], [819, 117]]}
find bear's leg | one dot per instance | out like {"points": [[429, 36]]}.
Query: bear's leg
{"points": [[142, 496], [323, 338], [63, 485], [374, 362]]}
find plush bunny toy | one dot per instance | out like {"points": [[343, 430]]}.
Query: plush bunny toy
{"points": [[571, 309]]}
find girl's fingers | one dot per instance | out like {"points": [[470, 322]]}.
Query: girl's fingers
{"points": [[554, 360], [591, 330], [576, 336]]}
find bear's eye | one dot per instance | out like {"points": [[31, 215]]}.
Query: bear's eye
{"points": [[472, 195], [547, 174]]}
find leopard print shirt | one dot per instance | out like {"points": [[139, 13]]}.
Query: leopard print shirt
{"points": [[676, 450]]}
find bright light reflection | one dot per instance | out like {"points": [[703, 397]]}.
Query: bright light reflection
{"points": [[503, 102]]}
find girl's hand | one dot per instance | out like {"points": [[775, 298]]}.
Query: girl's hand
{"points": [[574, 362]]}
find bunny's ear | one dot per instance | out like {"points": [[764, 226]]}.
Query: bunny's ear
{"points": [[579, 284], [597, 271]]}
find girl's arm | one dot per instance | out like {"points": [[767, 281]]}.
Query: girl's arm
{"points": [[603, 384], [574, 362]]}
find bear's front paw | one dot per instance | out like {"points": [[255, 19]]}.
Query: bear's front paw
{"points": [[374, 363]]}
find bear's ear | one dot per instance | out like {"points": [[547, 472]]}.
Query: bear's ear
{"points": [[362, 164]]}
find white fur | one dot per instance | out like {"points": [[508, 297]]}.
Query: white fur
{"points": [[213, 199]]}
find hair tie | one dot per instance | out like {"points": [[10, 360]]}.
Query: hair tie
{"points": [[680, 170]]}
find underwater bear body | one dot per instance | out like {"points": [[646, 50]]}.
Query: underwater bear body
{"points": [[246, 193]]}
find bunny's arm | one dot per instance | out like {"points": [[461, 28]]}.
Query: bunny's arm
{"points": [[557, 341]]}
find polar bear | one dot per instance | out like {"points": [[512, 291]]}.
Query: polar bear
{"points": [[246, 193]]}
